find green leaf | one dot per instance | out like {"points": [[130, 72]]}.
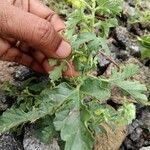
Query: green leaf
{"points": [[52, 62], [71, 121], [145, 53], [51, 100], [44, 129], [145, 46], [106, 25], [145, 41], [126, 114], [96, 88], [56, 73], [112, 7], [82, 38], [125, 72], [134, 88]]}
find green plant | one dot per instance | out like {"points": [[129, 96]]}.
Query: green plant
{"points": [[145, 46], [141, 14], [77, 107]]}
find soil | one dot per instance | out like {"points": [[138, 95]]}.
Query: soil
{"points": [[125, 49]]}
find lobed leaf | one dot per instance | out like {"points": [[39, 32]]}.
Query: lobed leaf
{"points": [[96, 88], [71, 121], [51, 100]]}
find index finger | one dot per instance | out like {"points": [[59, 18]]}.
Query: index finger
{"points": [[31, 29], [39, 9]]}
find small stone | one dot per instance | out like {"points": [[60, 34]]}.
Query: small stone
{"points": [[145, 148], [103, 64], [146, 143], [30, 142], [135, 51], [128, 144], [145, 117], [131, 2], [3, 102], [139, 143], [131, 128], [22, 73], [8, 142], [136, 135], [123, 55]]}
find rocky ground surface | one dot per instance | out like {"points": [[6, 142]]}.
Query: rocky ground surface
{"points": [[125, 49]]}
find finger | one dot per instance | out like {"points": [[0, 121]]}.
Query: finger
{"points": [[39, 9], [8, 53], [32, 29], [41, 59], [24, 47], [70, 70], [12, 41], [37, 55]]}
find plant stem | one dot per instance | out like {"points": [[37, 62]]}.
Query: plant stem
{"points": [[93, 14], [86, 4]]}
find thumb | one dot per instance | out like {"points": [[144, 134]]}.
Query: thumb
{"points": [[29, 28]]}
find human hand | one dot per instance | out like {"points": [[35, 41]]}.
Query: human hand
{"points": [[29, 34]]}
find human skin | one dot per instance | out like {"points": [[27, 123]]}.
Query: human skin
{"points": [[30, 35]]}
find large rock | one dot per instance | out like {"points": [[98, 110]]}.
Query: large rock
{"points": [[111, 140], [6, 71]]}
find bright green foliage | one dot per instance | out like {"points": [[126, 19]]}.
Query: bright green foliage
{"points": [[126, 114], [77, 107], [145, 46]]}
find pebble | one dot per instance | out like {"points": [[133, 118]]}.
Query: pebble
{"points": [[145, 117], [136, 135], [22, 73], [8, 142], [145, 148], [30, 142], [126, 43], [103, 63], [3, 102], [136, 123]]}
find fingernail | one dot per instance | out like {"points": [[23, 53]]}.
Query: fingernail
{"points": [[63, 50]]}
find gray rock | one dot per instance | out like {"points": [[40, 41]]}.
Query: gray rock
{"points": [[128, 144], [103, 63], [122, 55], [22, 73], [3, 102], [126, 42], [145, 117], [136, 123], [30, 142], [7, 142], [122, 36], [145, 148], [136, 135], [131, 2]]}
